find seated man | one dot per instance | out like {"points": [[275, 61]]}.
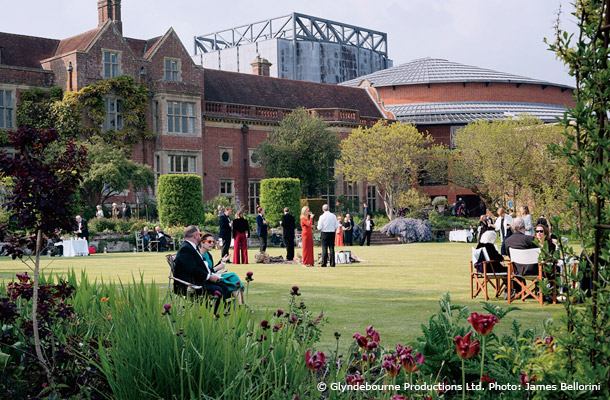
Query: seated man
{"points": [[162, 237], [519, 240], [145, 236], [189, 267]]}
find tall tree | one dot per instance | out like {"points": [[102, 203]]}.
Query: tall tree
{"points": [[510, 160], [301, 147], [110, 173], [43, 179], [390, 157]]}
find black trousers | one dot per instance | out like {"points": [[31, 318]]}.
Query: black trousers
{"points": [[289, 242], [263, 242], [226, 245], [366, 235], [328, 248]]}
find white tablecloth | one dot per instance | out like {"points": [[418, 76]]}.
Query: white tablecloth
{"points": [[74, 248], [460, 236]]}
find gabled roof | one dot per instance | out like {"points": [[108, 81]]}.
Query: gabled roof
{"points": [[141, 48], [434, 70], [26, 51], [78, 42], [465, 112], [239, 88]]}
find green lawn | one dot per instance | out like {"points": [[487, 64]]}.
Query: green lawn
{"points": [[396, 291]]}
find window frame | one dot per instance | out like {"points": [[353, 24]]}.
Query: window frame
{"points": [[230, 195], [7, 111], [118, 105], [174, 75], [254, 196], [172, 163], [171, 106], [111, 63]]}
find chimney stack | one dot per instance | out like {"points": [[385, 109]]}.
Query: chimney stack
{"points": [[260, 66], [110, 9]]}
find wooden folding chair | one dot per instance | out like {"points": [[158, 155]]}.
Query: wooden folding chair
{"points": [[190, 287], [530, 284], [139, 241], [480, 280]]}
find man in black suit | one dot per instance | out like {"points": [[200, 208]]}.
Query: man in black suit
{"points": [[261, 229], [162, 238], [189, 267], [348, 230], [519, 240], [225, 231], [81, 229], [126, 211], [288, 226]]}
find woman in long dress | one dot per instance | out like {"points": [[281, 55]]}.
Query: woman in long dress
{"points": [[339, 234], [229, 279], [307, 236], [241, 233]]}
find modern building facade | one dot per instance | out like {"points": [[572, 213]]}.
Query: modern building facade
{"points": [[297, 46]]}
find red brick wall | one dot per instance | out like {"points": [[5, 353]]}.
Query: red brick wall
{"points": [[16, 75], [442, 92]]}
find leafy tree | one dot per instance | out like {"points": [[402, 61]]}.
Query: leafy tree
{"points": [[511, 160], [390, 156], [277, 193], [301, 147], [110, 173], [44, 179]]}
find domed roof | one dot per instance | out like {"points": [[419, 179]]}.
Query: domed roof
{"points": [[435, 70]]}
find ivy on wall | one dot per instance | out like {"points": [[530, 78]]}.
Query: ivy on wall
{"points": [[43, 110]]}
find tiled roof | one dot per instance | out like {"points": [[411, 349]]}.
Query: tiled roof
{"points": [[78, 42], [466, 112], [239, 88], [25, 51], [141, 47], [433, 70]]}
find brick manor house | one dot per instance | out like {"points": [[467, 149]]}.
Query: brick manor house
{"points": [[208, 122]]}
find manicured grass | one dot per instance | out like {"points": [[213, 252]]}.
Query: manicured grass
{"points": [[396, 291]]}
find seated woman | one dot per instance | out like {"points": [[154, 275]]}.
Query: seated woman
{"points": [[487, 241], [230, 279], [145, 236]]}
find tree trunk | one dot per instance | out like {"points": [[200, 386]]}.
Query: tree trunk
{"points": [[35, 310]]}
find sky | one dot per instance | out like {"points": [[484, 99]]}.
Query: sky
{"points": [[502, 35]]}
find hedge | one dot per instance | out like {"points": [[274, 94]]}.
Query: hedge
{"points": [[277, 193], [180, 200]]}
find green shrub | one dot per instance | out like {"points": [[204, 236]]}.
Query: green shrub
{"points": [[315, 206], [438, 222], [277, 193], [100, 225], [180, 200], [211, 206]]}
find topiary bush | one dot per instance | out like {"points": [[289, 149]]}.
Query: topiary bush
{"points": [[277, 193], [180, 200], [409, 229]]}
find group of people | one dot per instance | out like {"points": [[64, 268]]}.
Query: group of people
{"points": [[515, 233], [115, 212], [161, 238]]}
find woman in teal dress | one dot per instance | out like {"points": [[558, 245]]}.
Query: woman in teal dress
{"points": [[230, 279]]}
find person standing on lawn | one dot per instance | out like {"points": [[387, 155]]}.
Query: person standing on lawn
{"points": [[288, 225], [328, 225]]}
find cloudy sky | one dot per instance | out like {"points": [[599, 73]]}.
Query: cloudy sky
{"points": [[501, 35]]}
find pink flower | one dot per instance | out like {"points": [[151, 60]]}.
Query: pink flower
{"points": [[316, 361], [524, 379], [249, 276], [465, 349], [399, 397], [481, 323], [372, 334]]}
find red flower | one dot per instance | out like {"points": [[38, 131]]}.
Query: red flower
{"points": [[408, 361], [391, 365], [525, 380], [370, 356], [465, 349], [249, 276], [372, 334], [486, 378], [481, 323], [316, 361], [399, 397], [361, 340], [547, 342], [368, 342], [355, 380]]}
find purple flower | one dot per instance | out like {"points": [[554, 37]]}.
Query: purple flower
{"points": [[280, 312], [265, 324], [249, 276], [295, 291]]}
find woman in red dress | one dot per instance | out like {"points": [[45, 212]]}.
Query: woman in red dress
{"points": [[307, 236], [339, 234], [241, 233]]}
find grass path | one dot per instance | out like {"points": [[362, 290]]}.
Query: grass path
{"points": [[396, 291]]}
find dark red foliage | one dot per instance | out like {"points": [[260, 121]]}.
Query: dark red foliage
{"points": [[44, 183]]}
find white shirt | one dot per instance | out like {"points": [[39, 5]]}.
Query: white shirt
{"points": [[508, 220], [368, 224], [328, 222]]}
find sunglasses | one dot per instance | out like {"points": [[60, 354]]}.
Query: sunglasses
{"points": [[209, 241], [539, 231]]}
